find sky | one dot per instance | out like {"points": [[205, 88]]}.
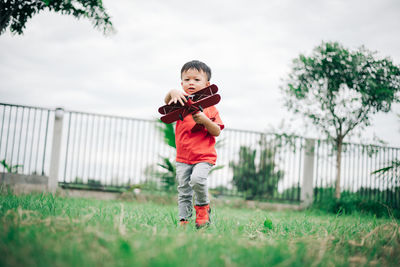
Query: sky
{"points": [[60, 61]]}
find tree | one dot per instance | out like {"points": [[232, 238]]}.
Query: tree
{"points": [[256, 177], [15, 13], [339, 90]]}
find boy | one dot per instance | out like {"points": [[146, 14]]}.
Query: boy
{"points": [[195, 151]]}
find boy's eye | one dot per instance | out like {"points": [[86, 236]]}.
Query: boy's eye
{"points": [[197, 80]]}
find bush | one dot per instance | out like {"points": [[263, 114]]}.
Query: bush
{"points": [[256, 173], [349, 204]]}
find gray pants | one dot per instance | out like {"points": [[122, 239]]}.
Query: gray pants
{"points": [[192, 178]]}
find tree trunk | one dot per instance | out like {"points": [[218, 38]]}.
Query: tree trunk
{"points": [[339, 142]]}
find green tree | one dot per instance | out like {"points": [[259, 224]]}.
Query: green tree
{"points": [[339, 90], [256, 177], [15, 13]]}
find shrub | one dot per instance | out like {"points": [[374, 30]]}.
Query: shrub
{"points": [[256, 177], [352, 203]]}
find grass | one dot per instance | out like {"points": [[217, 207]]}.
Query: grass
{"points": [[42, 230]]}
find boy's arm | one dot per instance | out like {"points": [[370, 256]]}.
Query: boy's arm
{"points": [[174, 96], [211, 126]]}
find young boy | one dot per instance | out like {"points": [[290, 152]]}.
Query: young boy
{"points": [[195, 151]]}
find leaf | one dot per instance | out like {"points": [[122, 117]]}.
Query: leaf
{"points": [[15, 14], [215, 168], [268, 224], [168, 132], [394, 164], [338, 89]]}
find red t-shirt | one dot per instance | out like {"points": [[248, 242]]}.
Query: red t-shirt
{"points": [[198, 146]]}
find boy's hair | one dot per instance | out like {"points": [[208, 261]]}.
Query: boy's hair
{"points": [[198, 65]]}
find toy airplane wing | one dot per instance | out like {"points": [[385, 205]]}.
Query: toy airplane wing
{"points": [[169, 108], [191, 107], [203, 93], [174, 115], [207, 102]]}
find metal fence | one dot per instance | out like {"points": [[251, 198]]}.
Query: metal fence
{"points": [[25, 135], [358, 163], [110, 152], [273, 162]]}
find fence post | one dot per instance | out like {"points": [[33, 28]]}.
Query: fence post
{"points": [[55, 150], [307, 193]]}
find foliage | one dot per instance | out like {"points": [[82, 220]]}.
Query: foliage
{"points": [[393, 166], [292, 193], [339, 90], [268, 225], [350, 203], [168, 132], [256, 178], [168, 177], [15, 13], [10, 168]]}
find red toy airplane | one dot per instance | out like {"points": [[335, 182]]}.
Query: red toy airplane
{"points": [[198, 101]]}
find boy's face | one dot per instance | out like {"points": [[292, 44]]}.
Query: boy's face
{"points": [[193, 81]]}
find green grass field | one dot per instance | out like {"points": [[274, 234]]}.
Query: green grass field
{"points": [[39, 230]]}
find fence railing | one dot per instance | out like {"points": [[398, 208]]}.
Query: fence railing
{"points": [[358, 162], [102, 151], [25, 138], [259, 165], [121, 152], [109, 150]]}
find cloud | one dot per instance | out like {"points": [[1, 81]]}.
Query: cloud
{"points": [[61, 61]]}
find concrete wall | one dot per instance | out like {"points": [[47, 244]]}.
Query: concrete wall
{"points": [[24, 184]]}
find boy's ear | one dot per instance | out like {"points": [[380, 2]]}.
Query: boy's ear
{"points": [[208, 83]]}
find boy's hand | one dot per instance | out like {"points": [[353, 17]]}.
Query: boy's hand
{"points": [[212, 128], [200, 118], [177, 95]]}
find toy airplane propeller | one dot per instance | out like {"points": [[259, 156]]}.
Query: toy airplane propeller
{"points": [[198, 101]]}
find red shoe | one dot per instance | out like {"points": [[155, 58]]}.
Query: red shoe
{"points": [[202, 215]]}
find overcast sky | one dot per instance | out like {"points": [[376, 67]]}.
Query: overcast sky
{"points": [[249, 45]]}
